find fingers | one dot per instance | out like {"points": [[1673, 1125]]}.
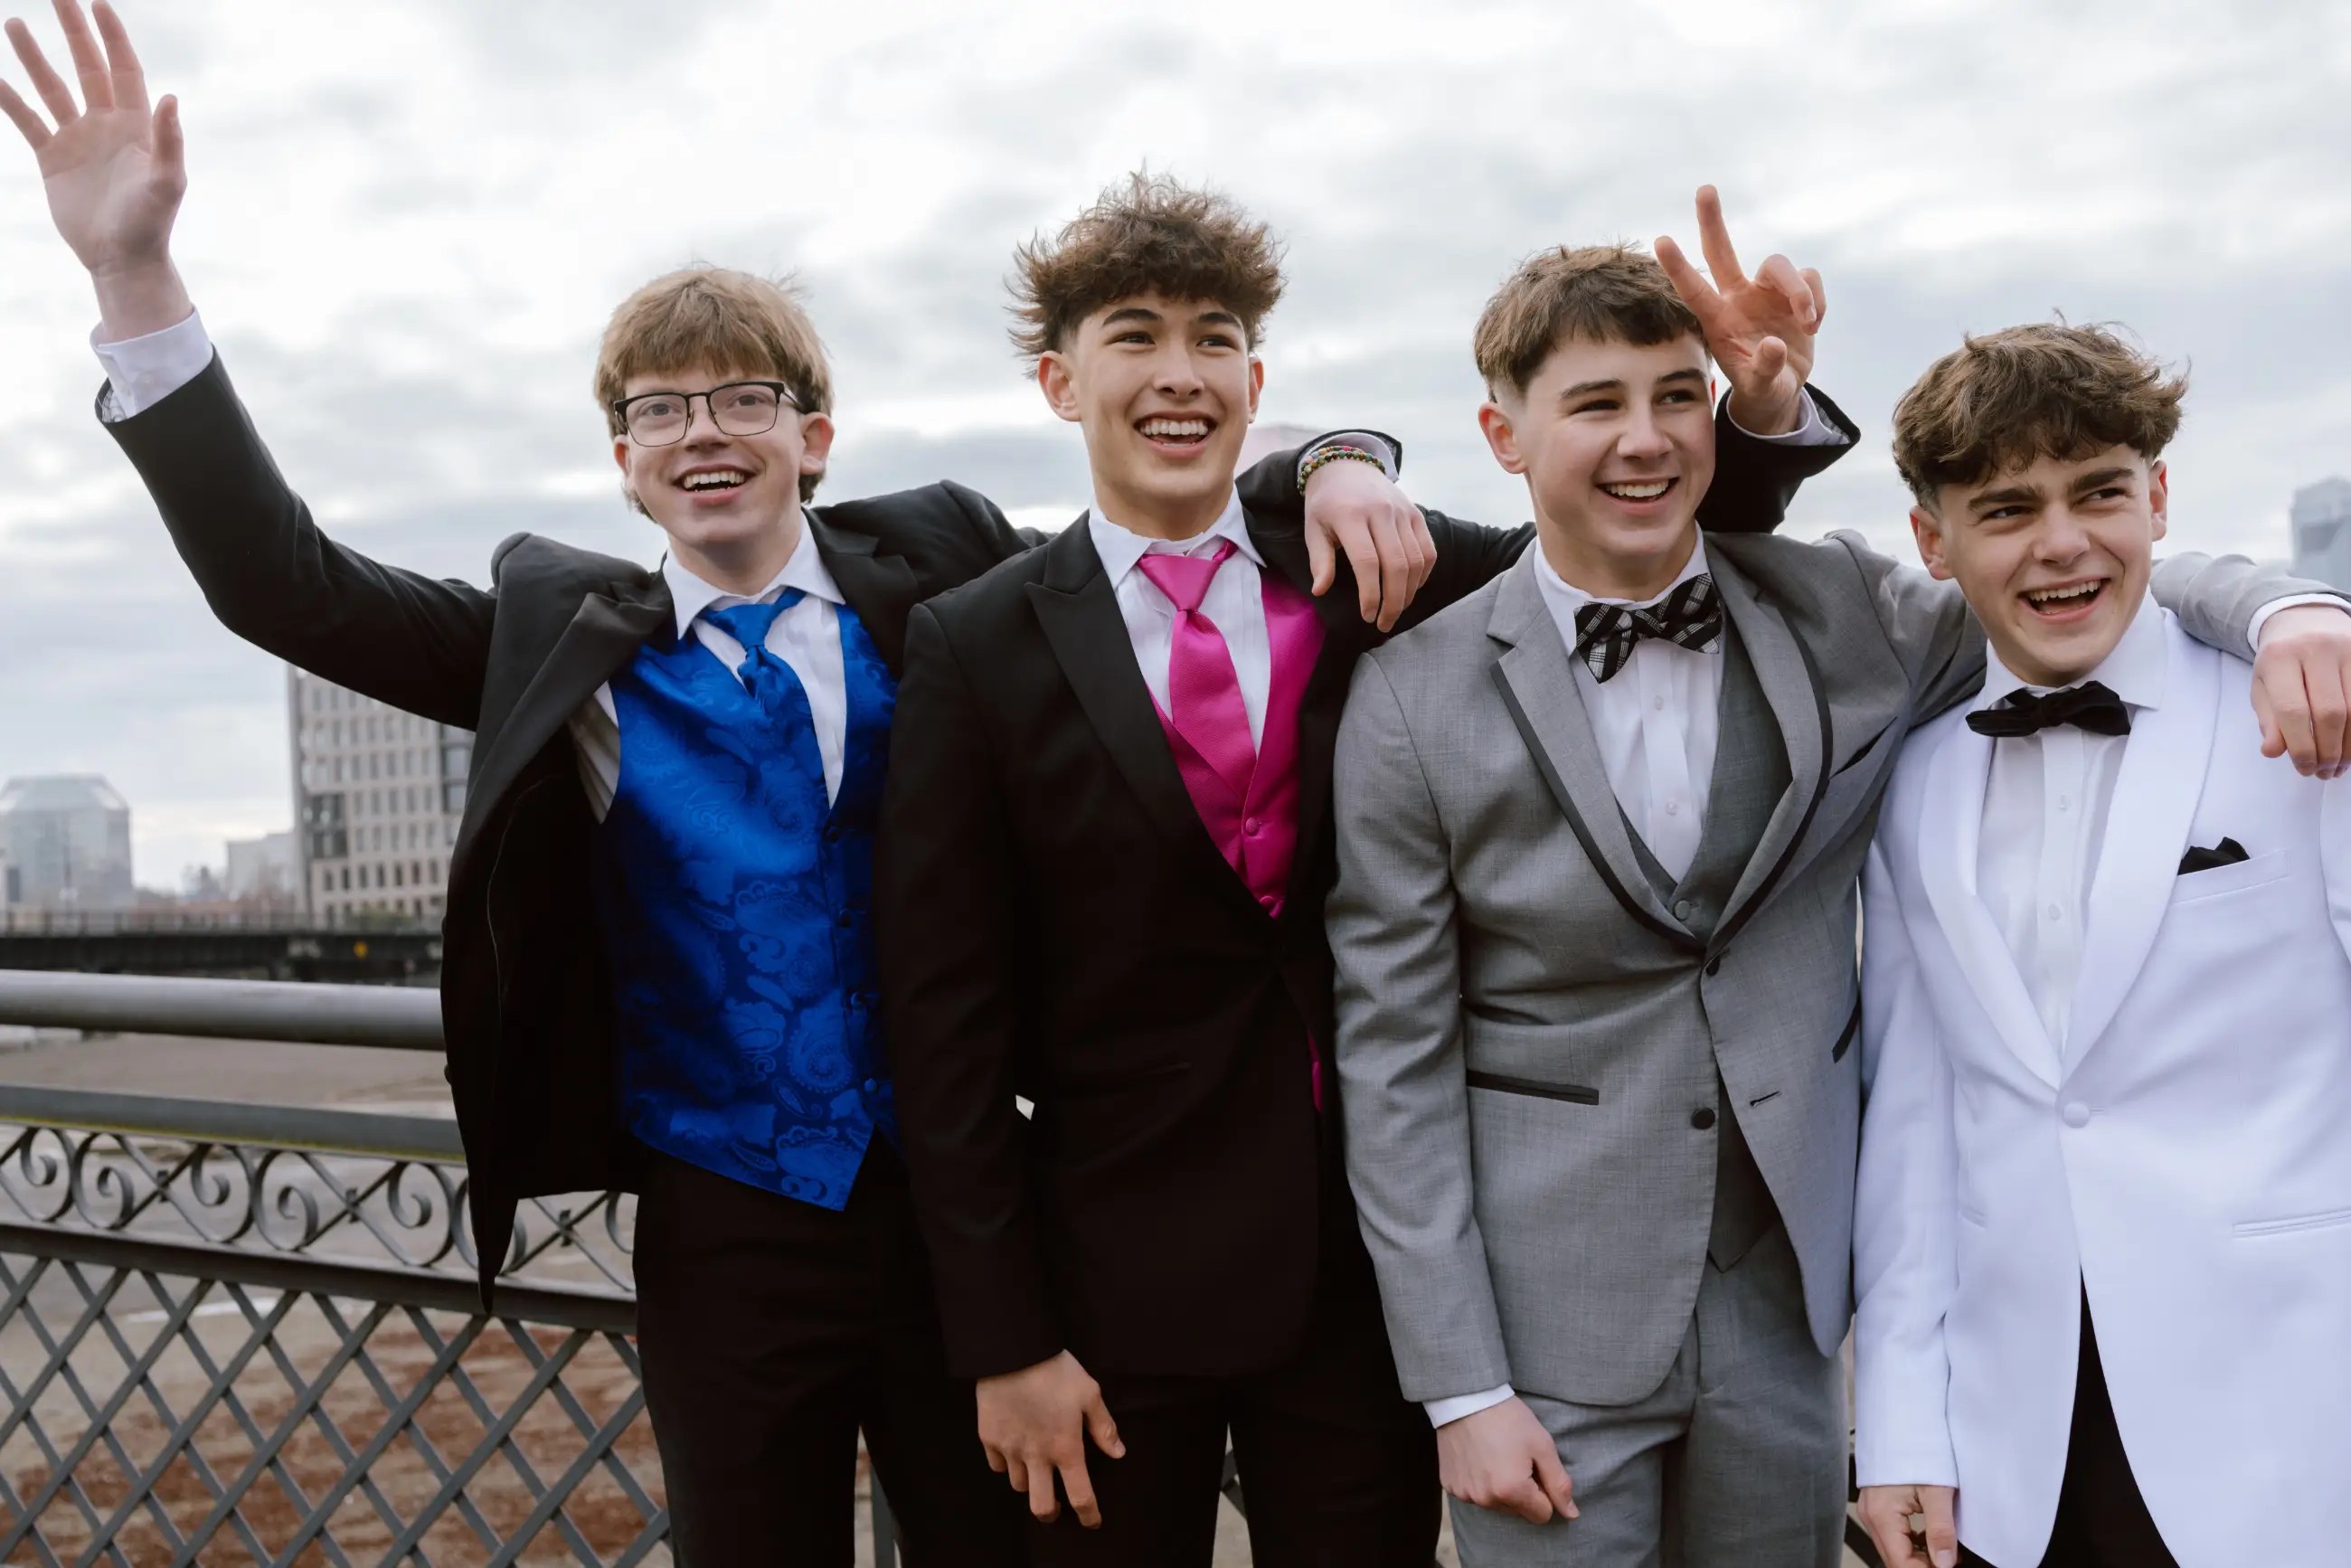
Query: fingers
{"points": [[55, 95], [1888, 1524], [1811, 275], [1102, 1429], [1714, 239], [1551, 1476], [1321, 562], [1044, 1502], [1779, 275], [130, 81], [2323, 682], [1081, 1487], [1397, 566], [1416, 534], [2273, 736], [1688, 282], [1771, 359], [35, 129], [170, 146], [1942, 1527], [89, 61], [2290, 708], [1365, 560]]}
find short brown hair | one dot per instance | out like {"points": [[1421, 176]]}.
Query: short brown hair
{"points": [[1147, 235], [2045, 390], [1600, 293], [715, 317]]}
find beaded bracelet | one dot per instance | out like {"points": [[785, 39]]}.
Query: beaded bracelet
{"points": [[1335, 453]]}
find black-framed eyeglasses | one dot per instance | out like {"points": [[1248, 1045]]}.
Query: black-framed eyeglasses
{"points": [[738, 408]]}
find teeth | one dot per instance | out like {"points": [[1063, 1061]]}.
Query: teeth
{"points": [[2063, 595], [1648, 492], [715, 480], [1175, 429]]}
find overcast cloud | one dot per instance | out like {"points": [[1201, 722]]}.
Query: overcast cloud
{"points": [[408, 221]]}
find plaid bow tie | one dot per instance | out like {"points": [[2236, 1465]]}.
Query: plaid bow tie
{"points": [[1606, 634]]}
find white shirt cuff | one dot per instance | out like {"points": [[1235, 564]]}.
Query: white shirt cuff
{"points": [[1445, 1412], [142, 371], [2261, 616], [1811, 431]]}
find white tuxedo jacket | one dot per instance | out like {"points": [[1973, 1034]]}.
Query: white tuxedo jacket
{"points": [[2184, 1153]]}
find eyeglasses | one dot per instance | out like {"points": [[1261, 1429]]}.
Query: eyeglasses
{"points": [[738, 408]]}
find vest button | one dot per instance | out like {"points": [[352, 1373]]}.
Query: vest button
{"points": [[2077, 1115], [1702, 1118], [872, 1085], [1250, 826], [832, 834], [845, 919]]}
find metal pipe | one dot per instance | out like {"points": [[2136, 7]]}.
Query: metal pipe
{"points": [[383, 1133], [402, 1017]]}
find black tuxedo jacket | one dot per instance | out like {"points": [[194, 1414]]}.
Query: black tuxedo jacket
{"points": [[1056, 923], [525, 1002]]}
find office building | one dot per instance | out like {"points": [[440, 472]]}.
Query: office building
{"points": [[2322, 531], [263, 870], [377, 796], [68, 844]]}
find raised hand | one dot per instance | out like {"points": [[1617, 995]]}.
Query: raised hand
{"points": [[113, 168], [1760, 328]]}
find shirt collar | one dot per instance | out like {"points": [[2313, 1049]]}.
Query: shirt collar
{"points": [[690, 596], [2133, 670], [1563, 599], [1120, 548]]}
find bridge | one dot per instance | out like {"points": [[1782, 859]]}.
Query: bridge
{"points": [[274, 947]]}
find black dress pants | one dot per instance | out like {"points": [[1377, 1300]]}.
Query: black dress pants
{"points": [[1339, 1470], [2102, 1519], [770, 1332]]}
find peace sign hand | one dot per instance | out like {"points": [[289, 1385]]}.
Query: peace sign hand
{"points": [[1760, 329], [113, 168]]}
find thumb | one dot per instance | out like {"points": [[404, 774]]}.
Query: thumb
{"points": [[1771, 359], [1552, 1477], [1102, 1429], [171, 143], [1942, 1531], [2272, 737], [1321, 560]]}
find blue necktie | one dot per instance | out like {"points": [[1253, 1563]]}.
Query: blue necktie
{"points": [[770, 681]]}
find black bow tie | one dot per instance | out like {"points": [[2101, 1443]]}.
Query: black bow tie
{"points": [[2089, 706], [1607, 635]]}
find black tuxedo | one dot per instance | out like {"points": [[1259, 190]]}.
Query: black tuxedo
{"points": [[1056, 923]]}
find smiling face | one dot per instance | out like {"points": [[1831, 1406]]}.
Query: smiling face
{"points": [[1164, 389], [729, 504], [2053, 555], [1616, 443]]}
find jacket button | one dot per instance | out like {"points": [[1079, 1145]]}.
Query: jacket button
{"points": [[1702, 1118], [1250, 826], [2077, 1114], [832, 835], [1682, 909], [1714, 966]]}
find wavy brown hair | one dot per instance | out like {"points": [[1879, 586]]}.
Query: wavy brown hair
{"points": [[1599, 293], [2045, 390], [1147, 235]]}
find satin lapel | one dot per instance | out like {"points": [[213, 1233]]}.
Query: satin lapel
{"points": [[880, 588], [1345, 634], [1950, 832], [1792, 688], [603, 636], [2156, 794], [1078, 613], [1537, 679]]}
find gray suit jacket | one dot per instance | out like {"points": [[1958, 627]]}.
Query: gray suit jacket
{"points": [[1544, 1052]]}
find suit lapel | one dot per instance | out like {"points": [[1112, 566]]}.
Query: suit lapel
{"points": [[603, 636], [1536, 676], [880, 588], [2156, 794], [1950, 830], [1078, 613], [1792, 689]]}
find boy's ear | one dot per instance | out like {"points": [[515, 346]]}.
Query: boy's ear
{"points": [[2158, 497], [1928, 529], [1256, 385], [816, 441], [1059, 387], [1503, 437]]}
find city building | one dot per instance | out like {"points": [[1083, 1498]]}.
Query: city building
{"points": [[2322, 531], [68, 839], [262, 869], [377, 796]]}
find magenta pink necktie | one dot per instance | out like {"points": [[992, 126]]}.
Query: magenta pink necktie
{"points": [[1204, 693]]}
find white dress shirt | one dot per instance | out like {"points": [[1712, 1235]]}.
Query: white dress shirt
{"points": [[2044, 818], [1235, 601], [142, 371]]}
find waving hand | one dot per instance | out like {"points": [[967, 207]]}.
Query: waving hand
{"points": [[1760, 328], [113, 168]]}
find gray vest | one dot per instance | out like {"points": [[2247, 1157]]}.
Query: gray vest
{"points": [[1751, 772]]}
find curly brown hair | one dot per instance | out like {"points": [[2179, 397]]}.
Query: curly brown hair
{"points": [[713, 318], [1147, 235], [2044, 389], [1600, 293]]}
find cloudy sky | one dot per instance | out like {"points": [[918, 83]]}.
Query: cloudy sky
{"points": [[407, 222]]}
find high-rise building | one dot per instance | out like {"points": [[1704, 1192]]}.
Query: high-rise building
{"points": [[68, 844], [2322, 531], [261, 869], [377, 796]]}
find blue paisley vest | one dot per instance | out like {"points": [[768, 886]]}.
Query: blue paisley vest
{"points": [[736, 909]]}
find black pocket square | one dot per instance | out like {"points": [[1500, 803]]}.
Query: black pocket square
{"points": [[2229, 852]]}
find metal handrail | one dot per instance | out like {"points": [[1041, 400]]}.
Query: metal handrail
{"points": [[400, 1018]]}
